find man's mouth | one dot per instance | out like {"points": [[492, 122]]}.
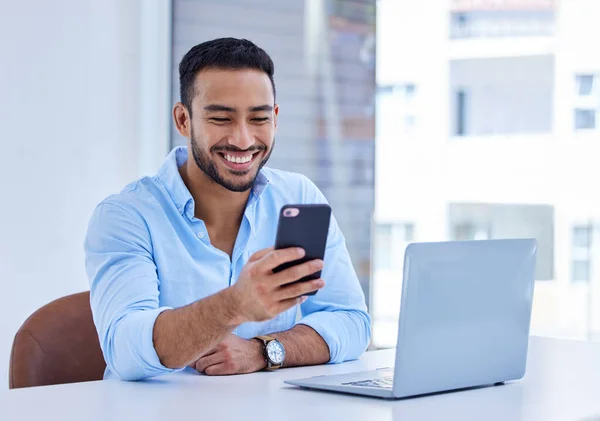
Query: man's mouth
{"points": [[239, 160]]}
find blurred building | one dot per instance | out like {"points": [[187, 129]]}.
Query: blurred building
{"points": [[324, 55], [488, 127]]}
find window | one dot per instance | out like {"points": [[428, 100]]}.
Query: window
{"points": [[480, 221], [383, 246], [390, 242], [409, 91], [409, 122], [587, 101], [407, 108], [464, 231], [585, 119], [461, 99], [582, 237], [396, 108], [581, 253], [581, 270], [585, 84], [409, 232], [500, 23]]}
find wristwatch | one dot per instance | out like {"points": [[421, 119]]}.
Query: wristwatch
{"points": [[274, 352]]}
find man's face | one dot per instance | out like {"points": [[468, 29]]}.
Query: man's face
{"points": [[232, 125]]}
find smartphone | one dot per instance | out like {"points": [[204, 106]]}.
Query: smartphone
{"points": [[304, 226]]}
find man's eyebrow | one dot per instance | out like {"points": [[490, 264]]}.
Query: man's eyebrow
{"points": [[219, 107], [260, 108]]}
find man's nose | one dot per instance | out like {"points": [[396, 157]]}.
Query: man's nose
{"points": [[243, 137]]}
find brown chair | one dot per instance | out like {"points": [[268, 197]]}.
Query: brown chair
{"points": [[57, 344]]}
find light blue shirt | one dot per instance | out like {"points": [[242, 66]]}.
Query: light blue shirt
{"points": [[146, 253]]}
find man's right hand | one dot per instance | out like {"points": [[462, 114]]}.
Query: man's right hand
{"points": [[261, 294]]}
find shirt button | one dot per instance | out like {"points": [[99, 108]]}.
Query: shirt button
{"points": [[201, 235]]}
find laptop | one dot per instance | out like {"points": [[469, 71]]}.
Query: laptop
{"points": [[465, 313]]}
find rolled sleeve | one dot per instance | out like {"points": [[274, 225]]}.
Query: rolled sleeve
{"points": [[135, 357], [346, 332], [338, 312], [124, 291]]}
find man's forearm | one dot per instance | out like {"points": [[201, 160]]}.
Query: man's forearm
{"points": [[182, 335], [303, 346]]}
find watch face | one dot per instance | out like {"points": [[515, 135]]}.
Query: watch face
{"points": [[275, 352]]}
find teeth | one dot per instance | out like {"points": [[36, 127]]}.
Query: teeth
{"points": [[238, 159]]}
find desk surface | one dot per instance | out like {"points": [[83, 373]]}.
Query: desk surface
{"points": [[562, 383]]}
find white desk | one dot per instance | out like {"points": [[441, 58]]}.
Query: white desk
{"points": [[562, 383]]}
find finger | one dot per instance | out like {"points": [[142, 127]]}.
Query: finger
{"points": [[260, 254], [296, 290], [277, 257], [206, 354], [204, 362], [289, 303], [216, 370], [297, 272], [210, 351]]}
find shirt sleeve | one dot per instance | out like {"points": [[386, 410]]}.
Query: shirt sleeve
{"points": [[338, 312], [124, 290]]}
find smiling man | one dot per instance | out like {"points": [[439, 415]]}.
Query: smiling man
{"points": [[180, 264]]}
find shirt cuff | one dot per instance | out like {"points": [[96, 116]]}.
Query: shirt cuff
{"points": [[331, 329], [138, 337]]}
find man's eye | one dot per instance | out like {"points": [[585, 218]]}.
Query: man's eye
{"points": [[260, 119], [219, 119]]}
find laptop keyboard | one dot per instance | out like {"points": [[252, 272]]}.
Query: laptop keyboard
{"points": [[382, 382]]}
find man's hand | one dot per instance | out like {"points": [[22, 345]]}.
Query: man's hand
{"points": [[261, 294], [233, 355]]}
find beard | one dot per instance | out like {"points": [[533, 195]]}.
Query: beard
{"points": [[209, 167]]}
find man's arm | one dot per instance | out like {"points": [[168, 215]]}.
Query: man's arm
{"points": [[181, 335], [234, 355], [138, 338], [124, 294], [303, 346]]}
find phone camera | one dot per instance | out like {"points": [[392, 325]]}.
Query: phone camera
{"points": [[291, 212]]}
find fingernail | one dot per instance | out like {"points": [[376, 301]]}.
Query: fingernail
{"points": [[301, 252], [318, 264]]}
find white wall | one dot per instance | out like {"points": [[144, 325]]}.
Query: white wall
{"points": [[69, 124]]}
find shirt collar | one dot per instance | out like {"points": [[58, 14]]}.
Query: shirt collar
{"points": [[169, 175]]}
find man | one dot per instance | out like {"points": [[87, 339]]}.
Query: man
{"points": [[180, 264]]}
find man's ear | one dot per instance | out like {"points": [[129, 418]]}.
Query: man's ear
{"points": [[182, 119], [275, 114]]}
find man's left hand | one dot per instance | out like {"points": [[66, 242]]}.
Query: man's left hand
{"points": [[233, 355]]}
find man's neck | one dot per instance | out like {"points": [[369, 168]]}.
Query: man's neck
{"points": [[214, 204]]}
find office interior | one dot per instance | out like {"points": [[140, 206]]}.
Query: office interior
{"points": [[419, 120]]}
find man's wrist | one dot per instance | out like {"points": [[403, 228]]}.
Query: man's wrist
{"points": [[233, 314]]}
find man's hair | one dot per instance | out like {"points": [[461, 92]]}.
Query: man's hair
{"points": [[221, 53]]}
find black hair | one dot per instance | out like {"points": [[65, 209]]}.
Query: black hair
{"points": [[221, 53]]}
